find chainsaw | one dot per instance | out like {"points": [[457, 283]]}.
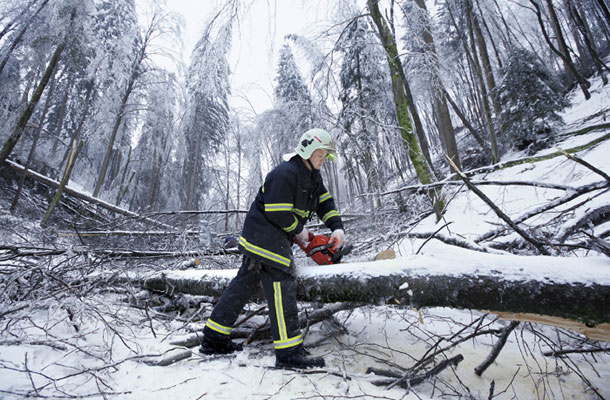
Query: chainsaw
{"points": [[321, 251]]}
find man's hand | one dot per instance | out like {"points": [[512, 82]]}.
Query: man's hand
{"points": [[337, 239], [304, 236]]}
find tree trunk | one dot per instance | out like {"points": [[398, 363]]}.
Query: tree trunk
{"points": [[133, 77], [565, 57], [605, 10], [34, 144], [445, 126], [561, 42], [590, 43], [115, 129], [238, 178], [9, 26], [584, 56], [63, 108], [123, 186], [10, 143], [79, 195], [486, 64], [482, 86], [467, 124], [76, 148], [419, 127], [399, 88], [81, 123], [491, 38], [503, 283]]}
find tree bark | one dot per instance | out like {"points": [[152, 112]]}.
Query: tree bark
{"points": [[582, 26], [561, 42], [486, 64], [503, 283]]}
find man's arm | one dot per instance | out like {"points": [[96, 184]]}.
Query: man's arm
{"points": [[278, 194]]}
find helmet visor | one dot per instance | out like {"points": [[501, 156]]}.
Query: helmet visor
{"points": [[331, 151]]}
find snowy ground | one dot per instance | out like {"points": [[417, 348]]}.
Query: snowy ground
{"points": [[75, 344]]}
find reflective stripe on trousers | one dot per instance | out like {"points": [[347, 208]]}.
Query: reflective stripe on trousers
{"points": [[280, 292]]}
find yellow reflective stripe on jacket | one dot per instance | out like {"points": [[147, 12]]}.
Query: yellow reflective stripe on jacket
{"points": [[292, 227], [264, 253], [225, 330], [278, 207], [301, 213], [330, 214], [325, 197]]}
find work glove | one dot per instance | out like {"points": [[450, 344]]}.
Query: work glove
{"points": [[337, 239], [304, 236]]}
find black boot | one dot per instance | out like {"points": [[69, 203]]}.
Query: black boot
{"points": [[298, 358], [209, 346]]}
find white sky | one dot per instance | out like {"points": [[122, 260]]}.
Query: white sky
{"points": [[257, 39]]}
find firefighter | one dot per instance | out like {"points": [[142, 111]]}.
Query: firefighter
{"points": [[291, 194]]}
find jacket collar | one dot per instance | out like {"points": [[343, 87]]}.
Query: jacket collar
{"points": [[314, 174]]}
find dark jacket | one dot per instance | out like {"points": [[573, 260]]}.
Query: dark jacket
{"points": [[289, 198]]}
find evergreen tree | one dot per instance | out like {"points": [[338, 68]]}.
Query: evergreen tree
{"points": [[155, 171], [207, 114], [366, 107], [290, 86], [531, 99], [292, 112]]}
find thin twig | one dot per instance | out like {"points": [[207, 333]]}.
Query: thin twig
{"points": [[495, 351]]}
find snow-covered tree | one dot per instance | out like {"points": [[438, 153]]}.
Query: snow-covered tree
{"points": [[63, 29], [154, 170], [292, 112], [531, 99], [366, 109], [131, 75], [422, 62], [290, 86], [207, 113]]}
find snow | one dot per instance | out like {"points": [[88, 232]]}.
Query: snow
{"points": [[102, 349], [441, 261]]}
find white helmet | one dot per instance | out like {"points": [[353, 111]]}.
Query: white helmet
{"points": [[314, 139]]}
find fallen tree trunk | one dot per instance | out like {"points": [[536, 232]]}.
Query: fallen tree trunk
{"points": [[82, 196], [577, 289]]}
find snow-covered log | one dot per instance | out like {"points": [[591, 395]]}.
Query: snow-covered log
{"points": [[573, 288]]}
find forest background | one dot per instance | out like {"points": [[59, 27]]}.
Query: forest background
{"points": [[126, 154], [93, 92]]}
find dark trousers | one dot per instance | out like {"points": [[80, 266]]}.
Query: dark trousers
{"points": [[280, 291]]}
